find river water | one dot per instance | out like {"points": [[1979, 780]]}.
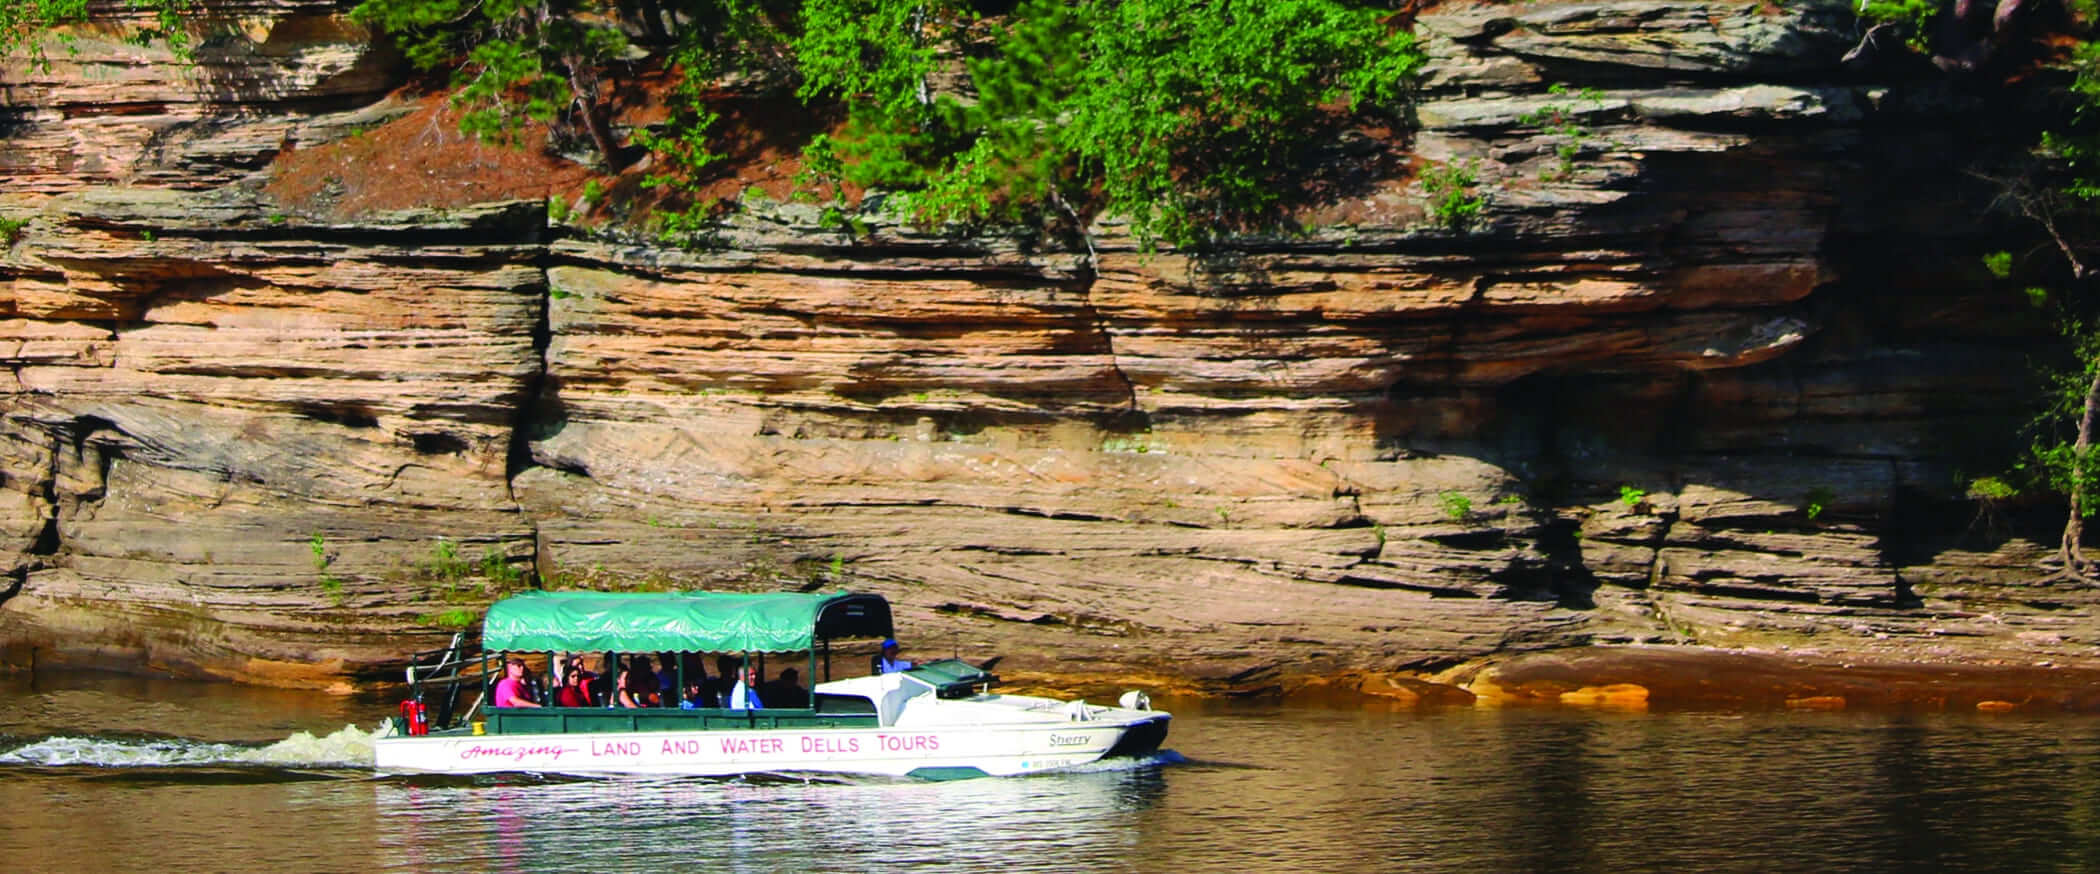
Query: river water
{"points": [[109, 773]]}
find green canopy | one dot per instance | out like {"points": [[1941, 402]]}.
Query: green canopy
{"points": [[680, 621]]}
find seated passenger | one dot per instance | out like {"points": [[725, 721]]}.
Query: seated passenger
{"points": [[638, 686], [744, 696], [696, 695], [602, 692], [513, 690], [572, 663], [724, 679], [786, 691], [575, 688], [667, 679]]}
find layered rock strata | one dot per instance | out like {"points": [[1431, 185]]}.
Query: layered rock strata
{"points": [[1705, 369]]}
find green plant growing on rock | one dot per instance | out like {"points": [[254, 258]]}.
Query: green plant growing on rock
{"points": [[330, 583], [1561, 120], [454, 618], [834, 217], [2000, 264], [444, 564], [1911, 19], [1632, 497], [501, 574], [1456, 505], [11, 230], [1991, 488], [1819, 499], [1989, 492], [1452, 200]]}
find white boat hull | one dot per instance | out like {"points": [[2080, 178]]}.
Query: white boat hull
{"points": [[997, 750]]}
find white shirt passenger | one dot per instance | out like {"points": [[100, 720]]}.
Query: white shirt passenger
{"points": [[743, 697]]}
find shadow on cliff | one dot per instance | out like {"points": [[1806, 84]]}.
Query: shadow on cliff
{"points": [[1790, 486]]}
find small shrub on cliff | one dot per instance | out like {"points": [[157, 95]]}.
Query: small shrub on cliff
{"points": [[1632, 497], [333, 587], [1990, 488], [1456, 506], [1559, 119], [1819, 499], [454, 618], [1452, 201], [11, 230], [330, 583], [2000, 264], [1912, 19], [445, 563], [501, 574]]}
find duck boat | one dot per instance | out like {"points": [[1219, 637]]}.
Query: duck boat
{"points": [[938, 721]]}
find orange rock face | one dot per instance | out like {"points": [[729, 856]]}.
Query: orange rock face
{"points": [[1699, 386]]}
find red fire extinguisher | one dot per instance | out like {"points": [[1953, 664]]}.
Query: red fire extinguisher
{"points": [[413, 717]]}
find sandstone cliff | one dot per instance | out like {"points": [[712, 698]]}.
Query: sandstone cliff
{"points": [[1709, 368]]}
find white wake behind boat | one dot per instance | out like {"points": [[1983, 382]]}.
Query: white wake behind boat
{"points": [[938, 721]]}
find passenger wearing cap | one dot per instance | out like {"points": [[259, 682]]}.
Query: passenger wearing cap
{"points": [[888, 662]]}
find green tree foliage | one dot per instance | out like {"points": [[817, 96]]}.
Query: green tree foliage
{"points": [[1178, 114], [715, 38], [1913, 19], [2063, 453], [2059, 191], [1185, 116], [513, 61], [25, 23]]}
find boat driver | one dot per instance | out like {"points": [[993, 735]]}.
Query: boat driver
{"points": [[888, 662]]}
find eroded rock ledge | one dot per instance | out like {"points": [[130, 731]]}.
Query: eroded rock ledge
{"points": [[1713, 381]]}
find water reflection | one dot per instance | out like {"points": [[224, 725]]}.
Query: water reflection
{"points": [[1075, 821]]}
